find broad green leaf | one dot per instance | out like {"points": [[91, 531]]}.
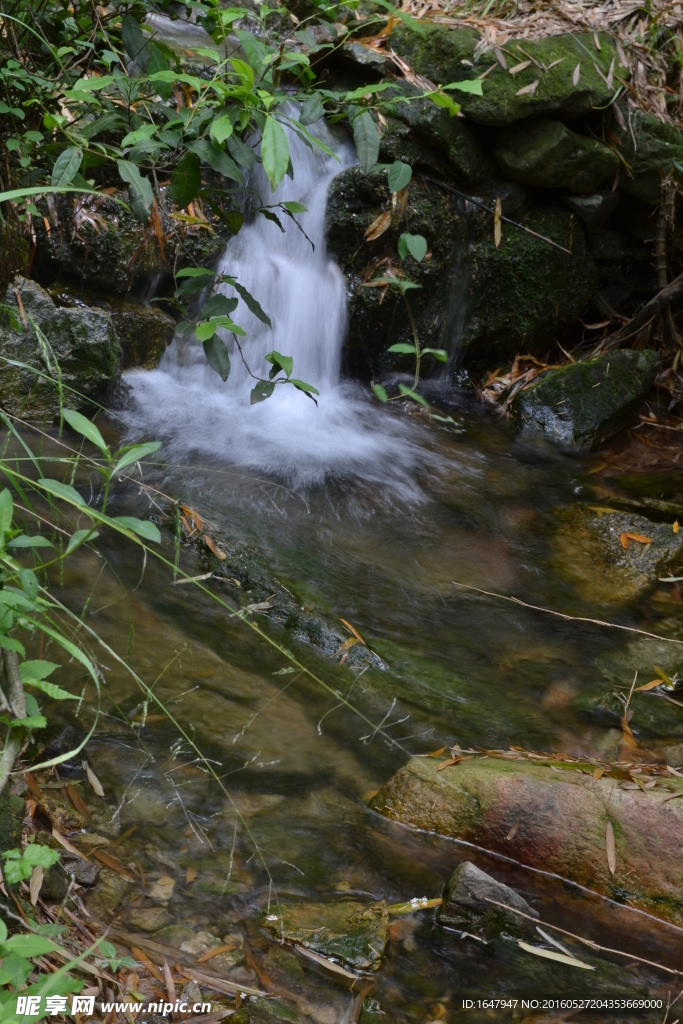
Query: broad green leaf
{"points": [[402, 347], [146, 131], [60, 490], [195, 271], [442, 99], [37, 855], [50, 689], [292, 207], [274, 151], [77, 538], [217, 160], [399, 175], [106, 948], [380, 392], [139, 190], [29, 583], [243, 71], [280, 362], [172, 76], [186, 181], [6, 510], [411, 393], [218, 305], [263, 390], [158, 62], [31, 670], [30, 542], [241, 153], [472, 85], [413, 245], [134, 454], [221, 128], [28, 945], [312, 110], [136, 43], [93, 84], [143, 527], [10, 643], [206, 330], [84, 426], [66, 166], [366, 139], [439, 353], [15, 970], [31, 722], [217, 356], [307, 389]]}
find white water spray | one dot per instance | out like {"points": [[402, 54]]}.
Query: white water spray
{"points": [[303, 292]]}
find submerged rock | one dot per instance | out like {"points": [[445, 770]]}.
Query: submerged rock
{"points": [[579, 405], [548, 154], [355, 933], [81, 341], [144, 332], [465, 905], [561, 819], [544, 86]]}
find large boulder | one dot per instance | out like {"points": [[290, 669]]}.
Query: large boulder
{"points": [[467, 905], [651, 148], [76, 350], [579, 405], [562, 821], [548, 154], [545, 86], [99, 242], [355, 933], [144, 332]]}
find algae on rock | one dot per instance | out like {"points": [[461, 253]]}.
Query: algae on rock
{"points": [[355, 933], [546, 153], [651, 148]]}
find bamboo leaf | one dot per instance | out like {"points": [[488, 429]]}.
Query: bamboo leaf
{"points": [[83, 426], [274, 151], [549, 954], [610, 848]]}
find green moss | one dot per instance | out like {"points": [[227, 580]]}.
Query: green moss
{"points": [[548, 154], [651, 149], [11, 818], [355, 933]]}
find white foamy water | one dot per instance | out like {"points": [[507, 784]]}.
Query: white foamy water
{"points": [[348, 434]]}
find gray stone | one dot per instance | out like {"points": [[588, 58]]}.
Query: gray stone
{"points": [[548, 154], [149, 919], [82, 343], [355, 933], [86, 872], [649, 147], [579, 405], [466, 907], [594, 210]]}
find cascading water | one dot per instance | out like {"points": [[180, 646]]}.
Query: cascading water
{"points": [[303, 292]]}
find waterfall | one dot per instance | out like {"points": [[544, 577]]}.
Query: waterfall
{"points": [[303, 293]]}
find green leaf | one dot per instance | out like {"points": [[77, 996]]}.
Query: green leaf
{"points": [[32, 722], [195, 271], [403, 347], [77, 538], [146, 131], [399, 175], [413, 25], [380, 392], [366, 139], [217, 356], [263, 390], [280, 362], [50, 689], [217, 160], [186, 181], [158, 62], [251, 303], [293, 207], [241, 154], [6, 511], [15, 970], [413, 245], [29, 583], [106, 948], [30, 542], [243, 71], [439, 353], [221, 128], [29, 945], [442, 99], [10, 643], [66, 166], [83, 426], [274, 151], [139, 190], [32, 670], [61, 490], [411, 393], [218, 305], [206, 330], [312, 110], [136, 44], [143, 527], [40, 856], [134, 454], [472, 85], [307, 389]]}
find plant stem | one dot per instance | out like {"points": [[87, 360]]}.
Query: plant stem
{"points": [[17, 700]]}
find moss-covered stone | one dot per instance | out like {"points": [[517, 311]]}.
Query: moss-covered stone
{"points": [[144, 332], [439, 55], [11, 818], [14, 251], [82, 342], [548, 154], [101, 243], [650, 148], [579, 405], [355, 933]]}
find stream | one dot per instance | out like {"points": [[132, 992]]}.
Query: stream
{"points": [[370, 514]]}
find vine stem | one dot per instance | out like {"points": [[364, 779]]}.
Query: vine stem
{"points": [[17, 701]]}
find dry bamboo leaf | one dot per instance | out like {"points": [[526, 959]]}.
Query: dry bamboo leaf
{"points": [[213, 549], [324, 962], [500, 57], [67, 845], [35, 884], [519, 67], [149, 964], [610, 848], [675, 527], [610, 75], [378, 227], [211, 953], [497, 228], [78, 801], [436, 753], [170, 984], [576, 75], [596, 40], [93, 780], [528, 90], [640, 538], [674, 771], [111, 862], [649, 686], [191, 874], [447, 764], [550, 955], [260, 606], [598, 773], [355, 632], [513, 831]]}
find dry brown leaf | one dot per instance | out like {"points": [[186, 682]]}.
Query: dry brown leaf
{"points": [[211, 953], [35, 884], [500, 57], [513, 831], [191, 874], [598, 773], [519, 67], [355, 632], [378, 227], [639, 537], [324, 962], [623, 537], [674, 771], [169, 982], [675, 527], [576, 75], [528, 90], [213, 549], [447, 764], [78, 801], [497, 227], [93, 780], [649, 686], [114, 864], [436, 753], [149, 964], [67, 845], [610, 848]]}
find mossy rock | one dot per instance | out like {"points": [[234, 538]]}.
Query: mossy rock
{"points": [[355, 933], [439, 54], [14, 251], [11, 819], [651, 149], [546, 153], [82, 341], [579, 405], [144, 332]]}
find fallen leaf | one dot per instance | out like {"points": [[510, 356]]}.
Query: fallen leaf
{"points": [[576, 75], [436, 753], [500, 57], [513, 831], [519, 67], [67, 845], [448, 763], [191, 874], [170, 984], [640, 538], [497, 227], [528, 90], [324, 962], [93, 780], [378, 227], [144, 959], [213, 549], [550, 955], [610, 75], [35, 884], [260, 606], [78, 801], [417, 903], [674, 771], [114, 864], [598, 773], [211, 953], [610, 847], [355, 632], [623, 537], [675, 527], [649, 686]]}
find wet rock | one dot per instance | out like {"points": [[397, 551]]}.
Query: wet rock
{"points": [[112, 888], [101, 243], [465, 905], [203, 941], [175, 934], [11, 819], [55, 883], [438, 54], [548, 154], [593, 210], [14, 251], [589, 553], [86, 872], [581, 404], [561, 819], [355, 933], [651, 149], [60, 815], [149, 919], [83, 343], [144, 332]]}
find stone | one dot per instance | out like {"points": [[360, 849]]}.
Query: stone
{"points": [[439, 54], [82, 343], [594, 210], [60, 815], [105, 898], [149, 919], [579, 405], [11, 819], [144, 332], [561, 819], [202, 942], [355, 933], [86, 872], [651, 149], [465, 905], [99, 242], [14, 250], [548, 154]]}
